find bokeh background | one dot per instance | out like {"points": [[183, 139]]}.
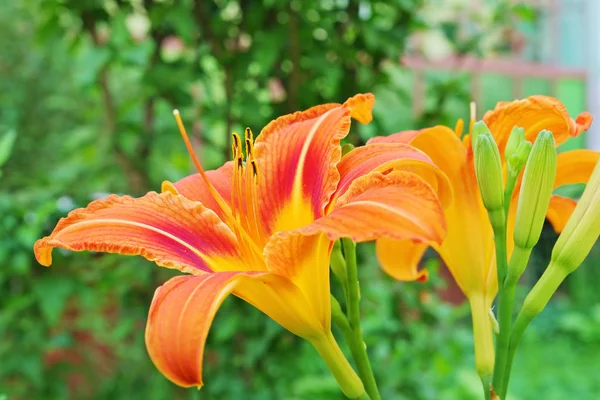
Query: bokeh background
{"points": [[86, 93]]}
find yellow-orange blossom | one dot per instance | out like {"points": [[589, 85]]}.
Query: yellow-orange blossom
{"points": [[468, 250], [262, 228]]}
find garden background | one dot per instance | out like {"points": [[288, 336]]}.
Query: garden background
{"points": [[86, 93]]}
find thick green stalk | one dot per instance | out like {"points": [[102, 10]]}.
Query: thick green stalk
{"points": [[534, 303], [498, 220], [518, 262], [354, 338]]}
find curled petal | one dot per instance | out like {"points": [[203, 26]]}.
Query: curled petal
{"points": [[170, 230], [297, 156], [400, 259], [183, 309], [383, 157], [559, 211], [534, 114], [575, 166], [194, 188]]}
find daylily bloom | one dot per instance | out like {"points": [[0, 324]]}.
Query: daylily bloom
{"points": [[468, 250], [263, 229]]}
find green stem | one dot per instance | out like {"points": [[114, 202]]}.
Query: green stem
{"points": [[518, 263], [498, 220], [355, 339], [534, 303], [346, 378]]}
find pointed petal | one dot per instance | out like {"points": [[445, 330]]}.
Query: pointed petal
{"points": [[559, 211], [183, 309], [575, 166], [194, 188], [534, 114], [400, 137], [384, 157], [170, 230], [297, 156], [400, 259]]}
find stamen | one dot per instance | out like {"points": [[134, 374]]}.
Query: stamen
{"points": [[190, 149], [473, 116], [249, 247], [458, 128]]}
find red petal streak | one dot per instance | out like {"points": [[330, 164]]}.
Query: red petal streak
{"points": [[297, 154], [170, 230]]}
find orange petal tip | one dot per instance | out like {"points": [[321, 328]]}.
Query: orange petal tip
{"points": [[43, 252], [361, 106], [583, 122]]}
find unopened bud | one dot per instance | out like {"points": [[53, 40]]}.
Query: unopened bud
{"points": [[338, 263], [479, 127], [517, 160], [582, 229], [536, 190], [517, 135], [488, 169]]}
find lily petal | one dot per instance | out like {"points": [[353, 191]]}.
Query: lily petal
{"points": [[398, 205], [400, 259], [297, 156], [575, 166], [534, 113], [170, 230], [559, 211], [194, 188], [183, 309], [399, 137], [469, 246], [384, 157]]}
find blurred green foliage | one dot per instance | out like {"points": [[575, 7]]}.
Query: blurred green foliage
{"points": [[86, 93]]}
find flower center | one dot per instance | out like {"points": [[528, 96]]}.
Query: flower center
{"points": [[242, 215]]}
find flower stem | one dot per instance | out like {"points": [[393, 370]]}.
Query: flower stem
{"points": [[498, 220], [518, 263], [354, 337], [346, 378], [534, 303]]}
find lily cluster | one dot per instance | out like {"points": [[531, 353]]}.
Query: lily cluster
{"points": [[265, 227]]}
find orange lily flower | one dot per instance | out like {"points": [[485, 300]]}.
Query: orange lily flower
{"points": [[468, 250], [263, 229]]}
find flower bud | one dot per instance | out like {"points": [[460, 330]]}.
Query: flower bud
{"points": [[517, 160], [479, 127], [488, 169], [338, 263], [582, 229], [517, 135], [536, 190]]}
